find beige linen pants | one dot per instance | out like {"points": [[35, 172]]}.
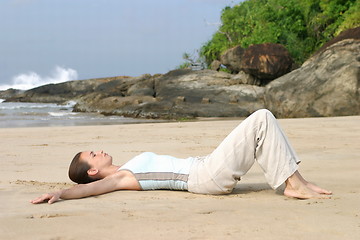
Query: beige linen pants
{"points": [[259, 137]]}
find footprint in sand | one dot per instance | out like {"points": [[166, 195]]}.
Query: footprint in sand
{"points": [[206, 212], [47, 215], [43, 185]]}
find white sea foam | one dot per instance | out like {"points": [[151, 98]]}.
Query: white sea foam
{"points": [[20, 105], [61, 114], [30, 80], [70, 104]]}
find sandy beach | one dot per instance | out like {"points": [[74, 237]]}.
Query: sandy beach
{"points": [[35, 161]]}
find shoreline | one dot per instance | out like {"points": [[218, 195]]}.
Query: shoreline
{"points": [[136, 121], [83, 124], [13, 115], [35, 161]]}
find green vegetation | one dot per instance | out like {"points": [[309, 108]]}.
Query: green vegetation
{"points": [[191, 60], [302, 26]]}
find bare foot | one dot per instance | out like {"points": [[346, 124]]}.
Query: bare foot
{"points": [[298, 187], [303, 193], [318, 189], [311, 185]]}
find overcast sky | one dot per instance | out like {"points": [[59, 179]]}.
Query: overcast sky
{"points": [[48, 40]]}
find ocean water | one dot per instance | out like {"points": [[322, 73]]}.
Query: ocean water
{"points": [[16, 114]]}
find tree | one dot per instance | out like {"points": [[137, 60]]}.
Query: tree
{"points": [[302, 26]]}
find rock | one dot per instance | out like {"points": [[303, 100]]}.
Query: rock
{"points": [[178, 94], [245, 78], [205, 100], [231, 58], [266, 61], [128, 106], [214, 89], [215, 65], [325, 85], [63, 92], [353, 33], [144, 86], [9, 93]]}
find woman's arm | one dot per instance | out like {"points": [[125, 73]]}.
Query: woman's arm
{"points": [[121, 180]]}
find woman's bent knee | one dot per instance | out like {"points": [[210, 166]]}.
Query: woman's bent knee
{"points": [[263, 112]]}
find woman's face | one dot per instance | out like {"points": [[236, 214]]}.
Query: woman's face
{"points": [[97, 160]]}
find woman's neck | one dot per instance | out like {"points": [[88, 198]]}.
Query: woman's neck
{"points": [[108, 171]]}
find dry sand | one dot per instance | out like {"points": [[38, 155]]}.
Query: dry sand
{"points": [[35, 160]]}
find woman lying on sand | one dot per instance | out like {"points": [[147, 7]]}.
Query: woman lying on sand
{"points": [[259, 137]]}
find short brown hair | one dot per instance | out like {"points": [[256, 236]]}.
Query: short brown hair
{"points": [[78, 170]]}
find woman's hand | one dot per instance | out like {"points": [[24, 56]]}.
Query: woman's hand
{"points": [[121, 180], [49, 197]]}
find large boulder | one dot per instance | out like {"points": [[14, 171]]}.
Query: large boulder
{"points": [[231, 58], [326, 85], [266, 61]]}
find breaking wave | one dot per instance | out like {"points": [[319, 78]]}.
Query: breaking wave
{"points": [[30, 80]]}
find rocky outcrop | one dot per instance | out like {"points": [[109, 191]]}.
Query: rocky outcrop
{"points": [[9, 93], [208, 93], [325, 85], [179, 94], [266, 61], [328, 84], [63, 92]]}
